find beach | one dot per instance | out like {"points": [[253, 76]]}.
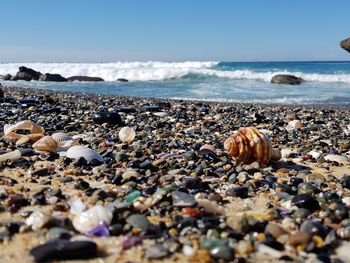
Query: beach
{"points": [[172, 192]]}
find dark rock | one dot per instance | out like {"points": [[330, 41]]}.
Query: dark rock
{"points": [[222, 252], [240, 191], [150, 108], [64, 250], [122, 80], [1, 93], [27, 74], [112, 118], [7, 77], [126, 110], [181, 199], [157, 251], [84, 78], [345, 181], [306, 201], [345, 44], [52, 77], [59, 233], [28, 102], [286, 79]]}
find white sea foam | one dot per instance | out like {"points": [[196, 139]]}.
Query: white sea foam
{"points": [[157, 71]]}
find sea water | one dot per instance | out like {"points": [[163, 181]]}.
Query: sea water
{"points": [[325, 82]]}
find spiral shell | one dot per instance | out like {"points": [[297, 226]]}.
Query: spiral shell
{"points": [[45, 144], [127, 134], [10, 130], [248, 144]]}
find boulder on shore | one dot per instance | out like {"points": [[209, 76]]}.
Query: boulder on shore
{"points": [[52, 77], [27, 74], [122, 80], [84, 78], [345, 44], [286, 79], [7, 77]]}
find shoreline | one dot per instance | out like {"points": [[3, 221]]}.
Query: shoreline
{"points": [[211, 102]]}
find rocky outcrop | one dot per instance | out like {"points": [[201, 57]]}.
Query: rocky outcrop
{"points": [[52, 77], [286, 79], [7, 77], [345, 44], [84, 78], [122, 80], [27, 74]]}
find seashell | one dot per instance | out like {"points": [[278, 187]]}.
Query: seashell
{"points": [[45, 144], [337, 158], [75, 152], [61, 137], [248, 144], [11, 156], [10, 130], [89, 219], [294, 125], [127, 134], [207, 147]]}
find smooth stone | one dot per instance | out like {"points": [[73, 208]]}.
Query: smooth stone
{"points": [[64, 250], [306, 201], [157, 251], [240, 191], [141, 222], [59, 233], [181, 199], [112, 118], [222, 252], [150, 108], [345, 181], [286, 79], [294, 125], [52, 77], [84, 78]]}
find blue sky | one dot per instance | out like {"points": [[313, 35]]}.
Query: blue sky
{"points": [[172, 30]]}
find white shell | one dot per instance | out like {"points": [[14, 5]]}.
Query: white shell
{"points": [[294, 125], [127, 134], [10, 130], [336, 158], [91, 218], [75, 152], [61, 137], [11, 156]]}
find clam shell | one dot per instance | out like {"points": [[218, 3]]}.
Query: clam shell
{"points": [[61, 137], [10, 130], [89, 219], [75, 152], [127, 134], [45, 144], [11, 156]]}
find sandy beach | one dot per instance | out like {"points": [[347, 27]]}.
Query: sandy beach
{"points": [[172, 193]]}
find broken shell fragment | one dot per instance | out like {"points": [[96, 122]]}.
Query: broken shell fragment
{"points": [[61, 137], [248, 144], [11, 156], [45, 144], [78, 151], [10, 131], [127, 134]]}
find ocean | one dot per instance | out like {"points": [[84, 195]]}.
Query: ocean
{"points": [[325, 82]]}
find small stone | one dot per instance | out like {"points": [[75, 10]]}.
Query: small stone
{"points": [[37, 220], [181, 199], [64, 250], [240, 191], [157, 251], [222, 252], [140, 222], [337, 158], [59, 233], [275, 230], [188, 251], [294, 125], [306, 201]]}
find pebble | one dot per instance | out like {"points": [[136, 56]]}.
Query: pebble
{"points": [[222, 252], [141, 222], [157, 251], [181, 199], [64, 250], [240, 191]]}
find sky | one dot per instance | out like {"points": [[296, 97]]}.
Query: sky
{"points": [[172, 30]]}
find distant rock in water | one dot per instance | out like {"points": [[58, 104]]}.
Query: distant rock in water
{"points": [[84, 78], [52, 77], [7, 77], [345, 44], [286, 79], [27, 74], [122, 80]]}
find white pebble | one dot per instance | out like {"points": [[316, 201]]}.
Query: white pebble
{"points": [[188, 251], [77, 207], [37, 220], [91, 218], [294, 125]]}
